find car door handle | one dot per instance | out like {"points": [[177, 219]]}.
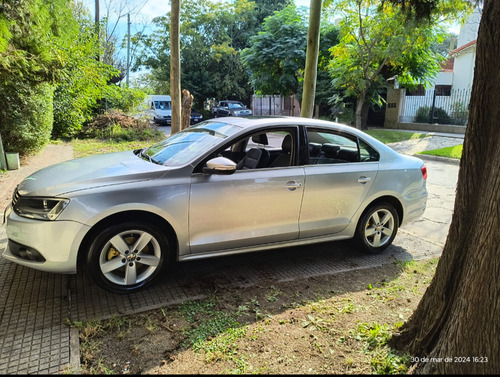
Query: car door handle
{"points": [[364, 179], [292, 185]]}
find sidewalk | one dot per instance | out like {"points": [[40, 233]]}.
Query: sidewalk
{"points": [[434, 141], [52, 154], [34, 338]]}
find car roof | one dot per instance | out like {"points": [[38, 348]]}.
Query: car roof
{"points": [[249, 123]]}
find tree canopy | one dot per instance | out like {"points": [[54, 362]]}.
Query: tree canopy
{"points": [[378, 41], [276, 56], [212, 34], [51, 79]]}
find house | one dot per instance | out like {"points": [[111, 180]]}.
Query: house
{"points": [[447, 102]]}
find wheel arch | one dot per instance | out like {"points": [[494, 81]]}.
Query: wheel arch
{"points": [[141, 216], [387, 199]]}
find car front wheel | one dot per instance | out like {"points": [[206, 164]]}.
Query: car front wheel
{"points": [[377, 228], [126, 257]]}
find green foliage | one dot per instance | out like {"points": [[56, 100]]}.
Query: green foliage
{"points": [[383, 360], [26, 117], [423, 115], [124, 99], [209, 321], [51, 79], [212, 35], [85, 81], [117, 127], [379, 41], [387, 137], [276, 56]]}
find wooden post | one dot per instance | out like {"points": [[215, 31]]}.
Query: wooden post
{"points": [[187, 101], [3, 161]]}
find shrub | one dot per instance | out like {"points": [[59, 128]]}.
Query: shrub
{"points": [[423, 115], [116, 125], [124, 99], [26, 117]]}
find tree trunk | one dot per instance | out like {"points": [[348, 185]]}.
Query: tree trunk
{"points": [[187, 101], [311, 60], [457, 322], [175, 66], [360, 103]]}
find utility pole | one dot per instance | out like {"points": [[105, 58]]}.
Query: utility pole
{"points": [[128, 48], [310, 75], [97, 27]]}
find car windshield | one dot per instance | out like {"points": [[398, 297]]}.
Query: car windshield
{"points": [[162, 105], [237, 105], [182, 147]]}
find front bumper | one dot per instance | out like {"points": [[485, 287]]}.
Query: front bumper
{"points": [[164, 120], [50, 246]]}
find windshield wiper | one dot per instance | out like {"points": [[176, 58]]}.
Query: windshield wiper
{"points": [[145, 156]]}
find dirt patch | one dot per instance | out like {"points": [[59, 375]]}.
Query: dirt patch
{"points": [[335, 324]]}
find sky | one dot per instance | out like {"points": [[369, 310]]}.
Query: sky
{"points": [[142, 13]]}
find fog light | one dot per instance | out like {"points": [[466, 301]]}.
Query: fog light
{"points": [[25, 252]]}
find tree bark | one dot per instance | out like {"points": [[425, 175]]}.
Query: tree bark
{"points": [[457, 322], [360, 114], [311, 68], [187, 102], [175, 66]]}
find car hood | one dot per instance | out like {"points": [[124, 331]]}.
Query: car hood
{"points": [[163, 112], [90, 172]]}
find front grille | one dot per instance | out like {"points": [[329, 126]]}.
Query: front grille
{"points": [[15, 197]]}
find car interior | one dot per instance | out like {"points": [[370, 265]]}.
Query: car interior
{"points": [[272, 149], [328, 148]]}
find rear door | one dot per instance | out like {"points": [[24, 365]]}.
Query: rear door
{"points": [[339, 175]]}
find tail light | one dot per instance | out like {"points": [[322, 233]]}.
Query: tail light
{"points": [[424, 172]]}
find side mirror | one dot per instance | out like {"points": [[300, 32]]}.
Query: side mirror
{"points": [[220, 165]]}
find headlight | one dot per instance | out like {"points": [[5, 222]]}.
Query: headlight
{"points": [[39, 208]]}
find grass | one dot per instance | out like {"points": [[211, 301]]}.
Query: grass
{"points": [[386, 136], [90, 147], [349, 328], [449, 152]]}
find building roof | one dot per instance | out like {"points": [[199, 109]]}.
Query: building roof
{"points": [[461, 49]]}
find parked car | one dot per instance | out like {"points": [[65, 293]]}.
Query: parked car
{"points": [[224, 186], [231, 108], [196, 116]]}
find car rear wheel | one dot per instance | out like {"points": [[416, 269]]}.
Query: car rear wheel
{"points": [[377, 228], [126, 257]]}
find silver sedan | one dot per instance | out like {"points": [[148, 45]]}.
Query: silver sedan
{"points": [[224, 186]]}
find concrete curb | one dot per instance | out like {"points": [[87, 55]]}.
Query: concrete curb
{"points": [[454, 161]]}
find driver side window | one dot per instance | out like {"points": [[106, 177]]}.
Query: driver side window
{"points": [[262, 149]]}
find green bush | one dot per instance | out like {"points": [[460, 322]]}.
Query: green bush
{"points": [[26, 117], [124, 99], [423, 115]]}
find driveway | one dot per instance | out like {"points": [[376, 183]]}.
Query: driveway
{"points": [[34, 306]]}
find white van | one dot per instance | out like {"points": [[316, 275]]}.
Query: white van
{"points": [[160, 108]]}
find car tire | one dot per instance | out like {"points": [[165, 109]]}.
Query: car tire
{"points": [[377, 228], [127, 257]]}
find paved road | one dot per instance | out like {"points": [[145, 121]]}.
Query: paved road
{"points": [[34, 306]]}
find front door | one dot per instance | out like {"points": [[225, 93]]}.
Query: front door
{"points": [[247, 208]]}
